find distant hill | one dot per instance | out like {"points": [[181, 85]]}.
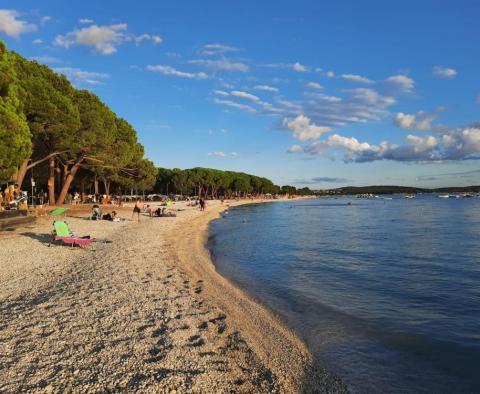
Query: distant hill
{"points": [[399, 189]]}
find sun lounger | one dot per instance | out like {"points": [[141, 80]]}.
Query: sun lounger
{"points": [[63, 234]]}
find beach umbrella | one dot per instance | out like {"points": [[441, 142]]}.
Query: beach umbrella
{"points": [[58, 211]]}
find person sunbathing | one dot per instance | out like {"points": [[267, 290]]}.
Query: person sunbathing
{"points": [[112, 217]]}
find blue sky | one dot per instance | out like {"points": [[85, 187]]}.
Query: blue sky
{"points": [[324, 94]]}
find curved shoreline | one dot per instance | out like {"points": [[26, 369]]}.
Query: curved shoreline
{"points": [[278, 347]]}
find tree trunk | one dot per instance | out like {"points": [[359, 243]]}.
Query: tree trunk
{"points": [[68, 181], [95, 182], [51, 181], [106, 185], [20, 176]]}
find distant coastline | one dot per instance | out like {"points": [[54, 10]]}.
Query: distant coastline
{"points": [[350, 190]]}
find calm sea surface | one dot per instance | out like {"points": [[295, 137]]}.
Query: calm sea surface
{"points": [[386, 293]]}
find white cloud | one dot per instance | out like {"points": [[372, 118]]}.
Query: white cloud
{"points": [[85, 21], [80, 77], [313, 85], [170, 71], [244, 95], [216, 49], [147, 37], [221, 93], [104, 40], [295, 149], [221, 65], [266, 88], [37, 41], [299, 67], [303, 129], [402, 83], [421, 120], [458, 144], [330, 74], [223, 154], [233, 104], [45, 20], [11, 26], [359, 105], [356, 78], [444, 72]]}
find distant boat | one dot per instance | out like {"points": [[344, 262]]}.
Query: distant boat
{"points": [[409, 195], [444, 196]]}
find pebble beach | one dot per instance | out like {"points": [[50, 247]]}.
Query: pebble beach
{"points": [[142, 310]]}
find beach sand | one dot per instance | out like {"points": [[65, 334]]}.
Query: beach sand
{"points": [[145, 311]]}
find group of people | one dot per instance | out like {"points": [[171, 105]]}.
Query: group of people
{"points": [[13, 198], [97, 214]]}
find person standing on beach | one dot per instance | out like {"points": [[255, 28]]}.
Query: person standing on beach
{"points": [[137, 209], [202, 204]]}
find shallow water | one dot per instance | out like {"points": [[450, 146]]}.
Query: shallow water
{"points": [[386, 293]]}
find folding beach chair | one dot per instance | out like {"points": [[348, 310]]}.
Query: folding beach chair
{"points": [[63, 234]]}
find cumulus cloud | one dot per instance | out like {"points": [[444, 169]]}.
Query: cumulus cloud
{"points": [[268, 88], [330, 74], [295, 149], [173, 72], [12, 26], [37, 41], [400, 83], [223, 154], [444, 72], [45, 20], [221, 65], [313, 85], [79, 77], [356, 78], [299, 67], [147, 37], [421, 120], [216, 49], [105, 40], [458, 144], [85, 21], [303, 129]]}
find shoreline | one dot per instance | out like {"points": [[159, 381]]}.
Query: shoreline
{"points": [[146, 311], [279, 347]]}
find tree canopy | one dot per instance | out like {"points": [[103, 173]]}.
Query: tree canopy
{"points": [[44, 119], [15, 139]]}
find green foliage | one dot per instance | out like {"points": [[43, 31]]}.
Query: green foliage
{"points": [[48, 105], [15, 144], [211, 182]]}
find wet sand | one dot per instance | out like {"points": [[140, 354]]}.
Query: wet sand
{"points": [[144, 312]]}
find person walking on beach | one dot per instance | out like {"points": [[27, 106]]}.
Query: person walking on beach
{"points": [[137, 209], [202, 204]]}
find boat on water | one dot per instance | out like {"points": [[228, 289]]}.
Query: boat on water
{"points": [[410, 196]]}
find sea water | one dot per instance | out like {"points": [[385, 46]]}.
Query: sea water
{"points": [[385, 293]]}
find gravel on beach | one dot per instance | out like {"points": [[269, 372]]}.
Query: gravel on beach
{"points": [[131, 314]]}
